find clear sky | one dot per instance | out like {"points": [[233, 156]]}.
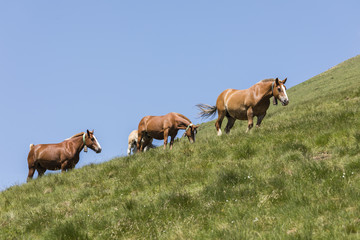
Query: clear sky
{"points": [[68, 66]]}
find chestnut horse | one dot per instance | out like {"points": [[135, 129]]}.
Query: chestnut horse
{"points": [[160, 127], [64, 155], [132, 142], [245, 104]]}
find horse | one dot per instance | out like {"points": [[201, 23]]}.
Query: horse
{"points": [[160, 127], [245, 104], [63, 155], [132, 142]]}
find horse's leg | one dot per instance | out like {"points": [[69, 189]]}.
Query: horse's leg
{"points": [[31, 173], [40, 170], [145, 143], [172, 141], [221, 115], [166, 135], [139, 144], [134, 147], [229, 124], [250, 116], [70, 168], [148, 144], [259, 120], [31, 163], [64, 166], [129, 149]]}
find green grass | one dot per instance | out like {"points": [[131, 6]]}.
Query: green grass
{"points": [[297, 177]]}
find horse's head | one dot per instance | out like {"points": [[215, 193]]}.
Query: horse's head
{"points": [[91, 141], [190, 132], [279, 92]]}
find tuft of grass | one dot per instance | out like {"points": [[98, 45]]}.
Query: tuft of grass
{"points": [[66, 230]]}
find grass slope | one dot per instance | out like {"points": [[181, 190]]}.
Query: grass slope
{"points": [[296, 177]]}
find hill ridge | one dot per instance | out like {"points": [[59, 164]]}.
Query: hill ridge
{"points": [[295, 177]]}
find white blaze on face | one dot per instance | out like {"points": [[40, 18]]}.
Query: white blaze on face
{"points": [[284, 98], [97, 143], [219, 132]]}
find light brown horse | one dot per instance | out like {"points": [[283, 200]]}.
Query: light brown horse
{"points": [[160, 127], [64, 155], [245, 104]]}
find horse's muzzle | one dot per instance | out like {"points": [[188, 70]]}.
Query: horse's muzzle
{"points": [[285, 102], [98, 151]]}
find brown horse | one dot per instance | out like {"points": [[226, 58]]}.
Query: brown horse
{"points": [[160, 127], [245, 104], [64, 155]]}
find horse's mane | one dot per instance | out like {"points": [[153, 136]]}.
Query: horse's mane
{"points": [[267, 80], [76, 135], [183, 117]]}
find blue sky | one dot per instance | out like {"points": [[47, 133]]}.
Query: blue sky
{"points": [[68, 66]]}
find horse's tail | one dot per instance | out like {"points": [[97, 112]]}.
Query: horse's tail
{"points": [[206, 110], [31, 162]]}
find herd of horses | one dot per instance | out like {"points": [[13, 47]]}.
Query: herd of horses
{"points": [[231, 103]]}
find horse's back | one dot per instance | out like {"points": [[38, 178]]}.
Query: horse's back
{"points": [[223, 98], [161, 120], [133, 136], [50, 152], [233, 101], [149, 124], [154, 126], [142, 123], [157, 123]]}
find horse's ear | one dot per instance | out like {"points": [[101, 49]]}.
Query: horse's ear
{"points": [[196, 128], [88, 133], [284, 81], [277, 82]]}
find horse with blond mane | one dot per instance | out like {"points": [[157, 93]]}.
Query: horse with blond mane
{"points": [[246, 104], [64, 155]]}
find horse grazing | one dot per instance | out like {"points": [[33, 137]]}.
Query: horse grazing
{"points": [[160, 127], [245, 104], [132, 142], [64, 155]]}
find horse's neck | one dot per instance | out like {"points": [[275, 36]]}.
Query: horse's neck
{"points": [[77, 145], [182, 123], [265, 93], [182, 116]]}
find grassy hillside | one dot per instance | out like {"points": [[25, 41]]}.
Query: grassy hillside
{"points": [[296, 177]]}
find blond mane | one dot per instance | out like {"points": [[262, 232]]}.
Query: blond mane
{"points": [[267, 80], [76, 135], [183, 117]]}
